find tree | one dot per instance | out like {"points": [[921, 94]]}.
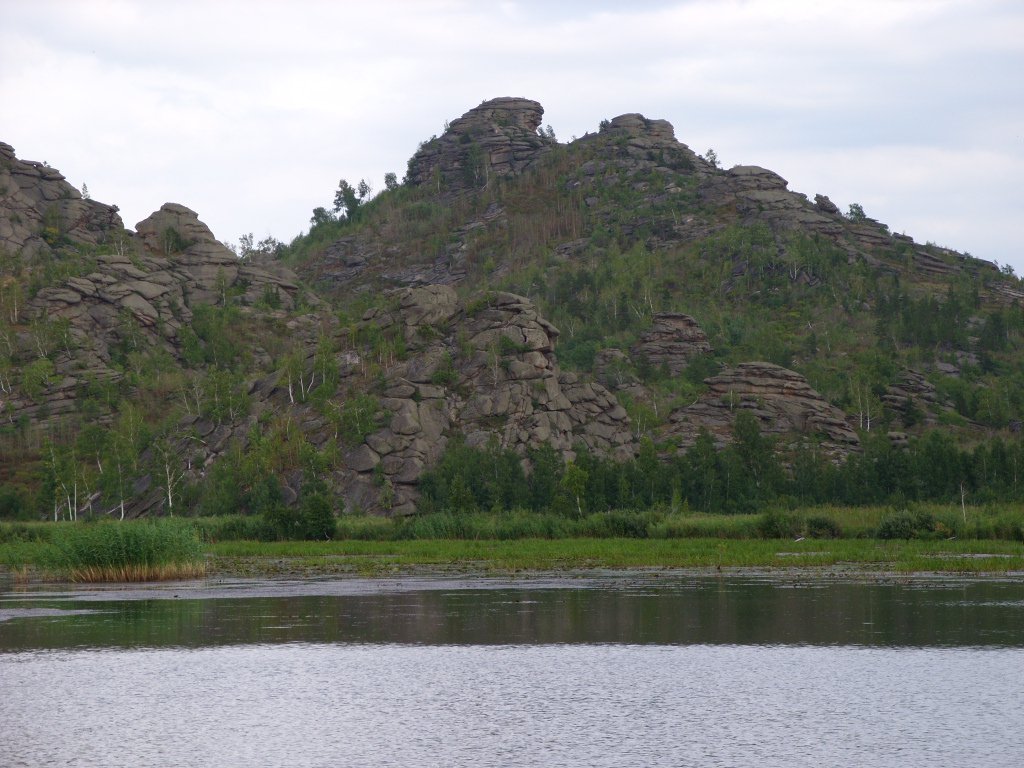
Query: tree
{"points": [[122, 457], [169, 472], [856, 212], [248, 247], [711, 157], [321, 216], [390, 181], [347, 198], [574, 483]]}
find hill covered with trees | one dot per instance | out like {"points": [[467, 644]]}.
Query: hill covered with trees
{"points": [[612, 322]]}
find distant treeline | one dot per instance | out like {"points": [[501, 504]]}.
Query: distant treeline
{"points": [[745, 476]]}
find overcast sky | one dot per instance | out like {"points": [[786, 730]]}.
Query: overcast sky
{"points": [[250, 112]]}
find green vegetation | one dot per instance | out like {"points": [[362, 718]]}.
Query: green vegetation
{"points": [[601, 235], [872, 539], [748, 475], [846, 556], [144, 551]]}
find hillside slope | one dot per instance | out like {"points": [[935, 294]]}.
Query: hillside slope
{"points": [[612, 299]]}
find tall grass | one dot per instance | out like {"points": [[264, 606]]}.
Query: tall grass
{"points": [[111, 551], [920, 521]]}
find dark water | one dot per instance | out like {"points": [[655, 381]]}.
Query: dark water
{"points": [[609, 670]]}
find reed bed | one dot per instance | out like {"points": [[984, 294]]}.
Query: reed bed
{"points": [[114, 552]]}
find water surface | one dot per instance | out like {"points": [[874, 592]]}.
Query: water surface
{"points": [[602, 670]]}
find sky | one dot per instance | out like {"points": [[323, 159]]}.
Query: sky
{"points": [[251, 112]]}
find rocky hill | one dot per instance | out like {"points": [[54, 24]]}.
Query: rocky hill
{"points": [[600, 299]]}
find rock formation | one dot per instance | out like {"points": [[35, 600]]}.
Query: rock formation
{"points": [[497, 138], [485, 370], [782, 400], [674, 339], [40, 209]]}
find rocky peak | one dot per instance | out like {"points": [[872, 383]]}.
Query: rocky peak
{"points": [[40, 209], [497, 138], [636, 125], [508, 112], [175, 229]]}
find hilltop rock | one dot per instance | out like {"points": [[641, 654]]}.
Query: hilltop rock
{"points": [[40, 209], [497, 138], [636, 126], [781, 399]]}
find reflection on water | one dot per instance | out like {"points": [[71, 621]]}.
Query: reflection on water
{"points": [[609, 671], [664, 610]]}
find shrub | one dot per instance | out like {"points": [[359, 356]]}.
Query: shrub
{"points": [[822, 527], [13, 505], [779, 525], [906, 525]]}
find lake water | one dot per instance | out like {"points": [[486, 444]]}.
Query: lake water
{"points": [[593, 670]]}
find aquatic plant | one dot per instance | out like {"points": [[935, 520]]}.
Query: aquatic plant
{"points": [[116, 551]]}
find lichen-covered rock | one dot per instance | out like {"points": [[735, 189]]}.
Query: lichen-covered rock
{"points": [[915, 400], [140, 292], [483, 369]]}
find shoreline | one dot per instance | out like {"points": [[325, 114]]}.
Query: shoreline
{"points": [[219, 586]]}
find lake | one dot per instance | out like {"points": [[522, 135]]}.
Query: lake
{"points": [[595, 669]]}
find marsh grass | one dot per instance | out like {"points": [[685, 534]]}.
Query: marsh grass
{"points": [[928, 521], [853, 555], [113, 551]]}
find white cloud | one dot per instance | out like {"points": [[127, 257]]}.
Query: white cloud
{"points": [[250, 112]]}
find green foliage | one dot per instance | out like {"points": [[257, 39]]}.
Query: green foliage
{"points": [[172, 241], [14, 504], [88, 551], [313, 518], [777, 524], [358, 417], [907, 525], [36, 377], [467, 479], [218, 340], [445, 374]]}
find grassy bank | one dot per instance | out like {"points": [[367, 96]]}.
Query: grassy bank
{"points": [[377, 557], [920, 539]]}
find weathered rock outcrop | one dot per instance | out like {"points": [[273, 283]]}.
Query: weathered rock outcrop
{"points": [[126, 292], [40, 209], [485, 370], [674, 339], [782, 400], [497, 138], [914, 399]]}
